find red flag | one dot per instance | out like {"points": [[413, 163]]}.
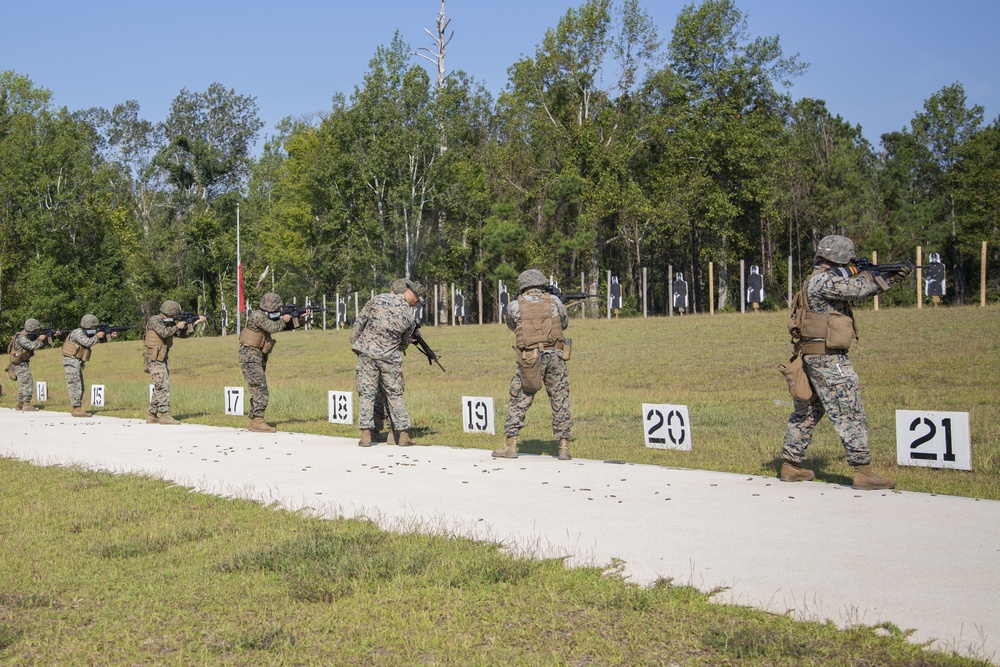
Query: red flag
{"points": [[239, 288]]}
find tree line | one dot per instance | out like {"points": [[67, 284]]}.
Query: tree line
{"points": [[608, 148]]}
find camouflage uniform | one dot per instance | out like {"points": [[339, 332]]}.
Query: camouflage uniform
{"points": [[25, 383], [554, 374], [73, 367], [380, 334], [158, 371], [253, 361], [837, 390]]}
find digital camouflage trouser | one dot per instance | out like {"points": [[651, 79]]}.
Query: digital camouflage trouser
{"points": [[371, 375], [253, 362], [73, 369], [25, 383], [556, 380], [837, 393], [160, 375]]}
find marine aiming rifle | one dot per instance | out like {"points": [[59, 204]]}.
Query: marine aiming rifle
{"points": [[425, 349]]}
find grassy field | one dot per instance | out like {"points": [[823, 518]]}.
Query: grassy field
{"points": [[722, 367], [129, 570], [101, 569]]}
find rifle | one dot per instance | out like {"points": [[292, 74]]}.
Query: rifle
{"points": [[108, 329], [190, 319], [863, 264], [296, 312], [51, 334], [566, 297], [425, 349]]}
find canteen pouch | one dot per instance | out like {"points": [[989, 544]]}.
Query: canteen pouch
{"points": [[530, 363], [267, 346], [567, 348], [795, 376], [10, 372]]}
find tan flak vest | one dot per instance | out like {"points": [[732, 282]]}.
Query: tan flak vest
{"points": [[157, 349], [18, 354], [539, 328], [71, 349], [820, 333], [258, 339]]}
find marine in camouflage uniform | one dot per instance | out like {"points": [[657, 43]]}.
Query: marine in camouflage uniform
{"points": [[380, 334], [76, 352], [829, 292], [255, 347], [538, 330], [22, 348], [158, 339]]}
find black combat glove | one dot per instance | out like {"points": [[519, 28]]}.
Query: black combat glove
{"points": [[902, 274]]}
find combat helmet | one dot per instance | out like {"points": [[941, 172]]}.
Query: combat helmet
{"points": [[531, 278], [32, 325], [271, 303], [837, 249], [89, 321], [171, 309]]}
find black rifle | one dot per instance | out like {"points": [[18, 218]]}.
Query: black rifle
{"points": [[52, 334], [297, 312], [108, 329], [566, 297], [189, 318], [863, 264], [425, 349]]}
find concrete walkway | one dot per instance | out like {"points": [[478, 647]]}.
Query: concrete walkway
{"points": [[922, 562]]}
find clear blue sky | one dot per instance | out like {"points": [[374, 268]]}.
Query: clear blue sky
{"points": [[873, 61]]}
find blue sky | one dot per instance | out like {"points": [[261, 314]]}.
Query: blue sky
{"points": [[874, 61]]}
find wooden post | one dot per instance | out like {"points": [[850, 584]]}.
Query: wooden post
{"points": [[355, 306], [644, 313], [609, 294], [480, 283], [436, 312], [875, 261], [920, 278], [743, 290], [451, 306], [711, 288], [670, 290], [583, 288], [324, 308], [499, 309], [982, 278]]}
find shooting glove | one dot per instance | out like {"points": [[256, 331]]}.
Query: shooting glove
{"points": [[902, 274]]}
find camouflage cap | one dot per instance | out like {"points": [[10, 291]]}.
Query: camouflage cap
{"points": [[89, 321], [837, 249], [402, 284], [170, 308], [399, 285], [531, 278], [31, 324], [271, 303]]}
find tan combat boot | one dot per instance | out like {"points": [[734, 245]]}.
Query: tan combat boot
{"points": [[18, 405], [28, 407], [151, 418], [402, 439], [258, 425], [78, 412], [366, 438], [793, 472], [564, 450], [509, 449], [165, 418], [390, 439], [866, 479]]}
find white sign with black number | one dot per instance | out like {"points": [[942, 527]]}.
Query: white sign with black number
{"points": [[666, 426], [341, 407], [42, 391], [478, 415], [234, 401], [97, 395], [933, 439]]}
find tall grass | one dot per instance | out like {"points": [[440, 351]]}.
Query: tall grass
{"points": [[723, 367]]}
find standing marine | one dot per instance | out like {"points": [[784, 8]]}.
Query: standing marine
{"points": [[76, 353], [822, 328], [380, 334], [158, 339], [255, 346], [21, 348], [538, 320]]}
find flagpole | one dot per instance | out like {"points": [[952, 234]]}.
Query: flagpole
{"points": [[239, 274]]}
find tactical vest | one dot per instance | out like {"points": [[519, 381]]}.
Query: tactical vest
{"points": [[18, 354], [820, 333], [73, 349], [257, 339], [157, 348], [539, 327]]}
